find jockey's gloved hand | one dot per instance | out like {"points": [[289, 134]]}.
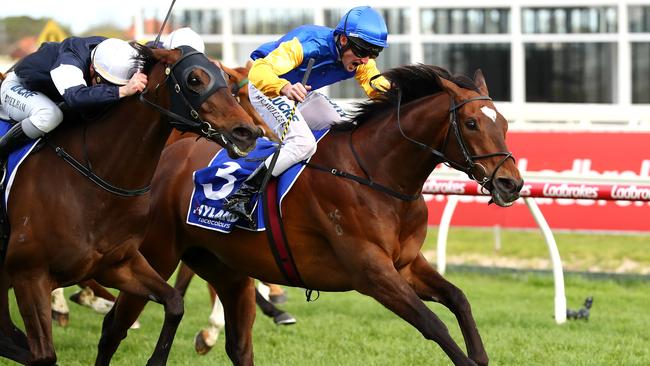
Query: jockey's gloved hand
{"points": [[296, 91], [136, 84]]}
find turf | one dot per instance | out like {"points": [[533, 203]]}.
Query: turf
{"points": [[513, 312]]}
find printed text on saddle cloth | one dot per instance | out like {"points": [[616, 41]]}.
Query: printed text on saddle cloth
{"points": [[223, 176]]}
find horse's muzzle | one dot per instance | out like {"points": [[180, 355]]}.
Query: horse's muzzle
{"points": [[505, 190]]}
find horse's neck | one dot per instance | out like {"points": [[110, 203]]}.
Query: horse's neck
{"points": [[397, 162], [125, 146]]}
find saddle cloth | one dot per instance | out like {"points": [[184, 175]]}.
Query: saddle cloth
{"points": [[15, 159], [223, 176]]}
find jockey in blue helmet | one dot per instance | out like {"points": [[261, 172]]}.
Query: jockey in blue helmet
{"points": [[365, 31], [275, 85]]}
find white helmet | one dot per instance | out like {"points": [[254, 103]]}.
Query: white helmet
{"points": [[114, 60], [184, 37]]}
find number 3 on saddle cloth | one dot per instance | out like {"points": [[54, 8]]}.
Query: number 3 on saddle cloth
{"points": [[223, 176]]}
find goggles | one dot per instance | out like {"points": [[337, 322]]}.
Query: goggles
{"points": [[363, 49]]}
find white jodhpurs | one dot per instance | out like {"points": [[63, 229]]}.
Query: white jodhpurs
{"points": [[37, 113], [315, 113]]}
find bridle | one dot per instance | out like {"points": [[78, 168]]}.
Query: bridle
{"points": [[184, 105], [470, 165], [468, 168], [180, 103]]}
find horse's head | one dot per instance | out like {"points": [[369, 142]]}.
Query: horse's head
{"points": [[475, 142], [238, 84], [200, 100]]}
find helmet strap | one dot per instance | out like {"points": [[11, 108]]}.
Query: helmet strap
{"points": [[341, 48]]}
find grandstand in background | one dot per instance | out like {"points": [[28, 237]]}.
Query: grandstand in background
{"points": [[577, 64]]}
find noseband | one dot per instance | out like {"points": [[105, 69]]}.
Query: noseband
{"points": [[470, 165], [183, 115]]}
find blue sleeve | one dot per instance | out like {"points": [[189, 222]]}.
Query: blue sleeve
{"points": [[87, 96], [71, 72]]}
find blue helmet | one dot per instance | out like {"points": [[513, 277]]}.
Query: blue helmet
{"points": [[365, 23]]}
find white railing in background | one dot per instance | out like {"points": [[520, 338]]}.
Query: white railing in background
{"points": [[453, 184]]}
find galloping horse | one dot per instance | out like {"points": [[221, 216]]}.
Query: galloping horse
{"points": [[362, 234], [67, 228]]}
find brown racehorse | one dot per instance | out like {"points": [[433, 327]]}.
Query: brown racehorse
{"points": [[345, 235], [66, 228], [237, 80]]}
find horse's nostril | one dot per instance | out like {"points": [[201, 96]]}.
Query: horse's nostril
{"points": [[508, 185], [243, 133]]}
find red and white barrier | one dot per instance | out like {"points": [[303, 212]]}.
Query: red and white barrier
{"points": [[590, 191], [581, 188]]}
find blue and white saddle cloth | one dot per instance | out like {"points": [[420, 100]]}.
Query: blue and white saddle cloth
{"points": [[15, 159], [223, 176]]}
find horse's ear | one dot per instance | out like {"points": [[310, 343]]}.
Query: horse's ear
{"points": [[167, 56], [479, 80], [449, 86], [249, 64]]}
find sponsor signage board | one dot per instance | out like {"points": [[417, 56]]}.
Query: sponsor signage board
{"points": [[607, 206]]}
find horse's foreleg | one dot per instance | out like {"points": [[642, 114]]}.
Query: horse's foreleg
{"points": [[136, 277], [280, 317], [430, 285], [237, 295], [60, 309], [32, 290], [13, 342], [380, 280], [206, 338], [116, 324], [183, 278]]}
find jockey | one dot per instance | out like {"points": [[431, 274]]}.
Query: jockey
{"points": [[180, 37], [82, 72], [275, 79], [184, 37]]}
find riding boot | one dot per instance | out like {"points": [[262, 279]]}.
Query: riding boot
{"points": [[13, 139], [238, 203]]}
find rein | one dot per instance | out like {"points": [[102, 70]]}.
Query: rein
{"points": [[206, 130], [469, 158], [87, 171]]}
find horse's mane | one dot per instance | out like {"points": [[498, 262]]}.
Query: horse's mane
{"points": [[414, 81], [144, 59]]}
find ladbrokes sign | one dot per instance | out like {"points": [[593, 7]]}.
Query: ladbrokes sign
{"points": [[578, 206]]}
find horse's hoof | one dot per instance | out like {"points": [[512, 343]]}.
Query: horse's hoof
{"points": [[284, 319], [62, 319], [200, 345]]}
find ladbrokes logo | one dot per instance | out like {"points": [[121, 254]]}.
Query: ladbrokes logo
{"points": [[433, 187], [570, 191], [630, 193]]}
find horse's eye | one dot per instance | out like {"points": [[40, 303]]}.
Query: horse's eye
{"points": [[193, 80], [471, 124]]}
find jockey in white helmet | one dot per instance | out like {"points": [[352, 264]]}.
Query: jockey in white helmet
{"points": [[348, 51], [184, 37], [81, 72]]}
